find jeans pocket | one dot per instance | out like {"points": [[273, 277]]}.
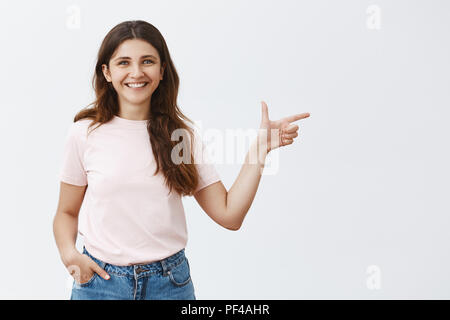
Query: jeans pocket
{"points": [[95, 275], [180, 275], [85, 284]]}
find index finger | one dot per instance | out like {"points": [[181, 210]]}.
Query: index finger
{"points": [[101, 272], [297, 117]]}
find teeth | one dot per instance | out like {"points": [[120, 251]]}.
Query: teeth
{"points": [[136, 85]]}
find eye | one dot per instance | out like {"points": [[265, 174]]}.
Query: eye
{"points": [[120, 63]]}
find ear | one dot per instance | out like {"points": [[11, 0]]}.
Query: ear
{"points": [[106, 72]]}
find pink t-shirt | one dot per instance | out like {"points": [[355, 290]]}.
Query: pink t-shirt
{"points": [[127, 216]]}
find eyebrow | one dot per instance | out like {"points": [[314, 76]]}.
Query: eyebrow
{"points": [[146, 56]]}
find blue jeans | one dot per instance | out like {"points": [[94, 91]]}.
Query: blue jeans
{"points": [[167, 279]]}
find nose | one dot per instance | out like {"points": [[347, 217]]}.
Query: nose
{"points": [[136, 71]]}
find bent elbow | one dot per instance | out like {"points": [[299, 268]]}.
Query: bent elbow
{"points": [[233, 228]]}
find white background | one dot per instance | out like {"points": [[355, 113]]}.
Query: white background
{"points": [[365, 184]]}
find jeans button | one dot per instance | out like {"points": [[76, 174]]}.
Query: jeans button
{"points": [[139, 270]]}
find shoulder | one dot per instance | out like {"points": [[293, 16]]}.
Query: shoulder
{"points": [[197, 135], [79, 129], [195, 139], [202, 149], [82, 124]]}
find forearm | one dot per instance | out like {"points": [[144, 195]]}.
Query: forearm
{"points": [[65, 229], [243, 191]]}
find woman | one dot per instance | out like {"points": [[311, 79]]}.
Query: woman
{"points": [[119, 162]]}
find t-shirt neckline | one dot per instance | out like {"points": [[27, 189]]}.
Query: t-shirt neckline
{"points": [[128, 122]]}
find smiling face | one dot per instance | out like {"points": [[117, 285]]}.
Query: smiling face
{"points": [[135, 62]]}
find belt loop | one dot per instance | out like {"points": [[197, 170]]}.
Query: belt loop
{"points": [[101, 263], [164, 267]]}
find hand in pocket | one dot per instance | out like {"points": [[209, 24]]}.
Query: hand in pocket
{"points": [[82, 268]]}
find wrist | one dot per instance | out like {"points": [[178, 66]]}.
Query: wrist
{"points": [[68, 255], [258, 153]]}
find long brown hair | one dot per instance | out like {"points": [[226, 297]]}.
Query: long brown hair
{"points": [[164, 115]]}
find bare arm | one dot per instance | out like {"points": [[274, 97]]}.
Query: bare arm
{"points": [[65, 223], [242, 193], [65, 230], [229, 209]]}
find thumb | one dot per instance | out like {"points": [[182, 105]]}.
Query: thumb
{"points": [[102, 273], [264, 112]]}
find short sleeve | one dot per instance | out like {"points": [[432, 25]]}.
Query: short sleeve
{"points": [[206, 169], [72, 169]]}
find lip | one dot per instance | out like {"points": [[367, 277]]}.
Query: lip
{"points": [[139, 88]]}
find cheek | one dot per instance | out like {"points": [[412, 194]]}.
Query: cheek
{"points": [[118, 76], [154, 74]]}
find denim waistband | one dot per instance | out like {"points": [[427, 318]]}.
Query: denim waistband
{"points": [[162, 266]]}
